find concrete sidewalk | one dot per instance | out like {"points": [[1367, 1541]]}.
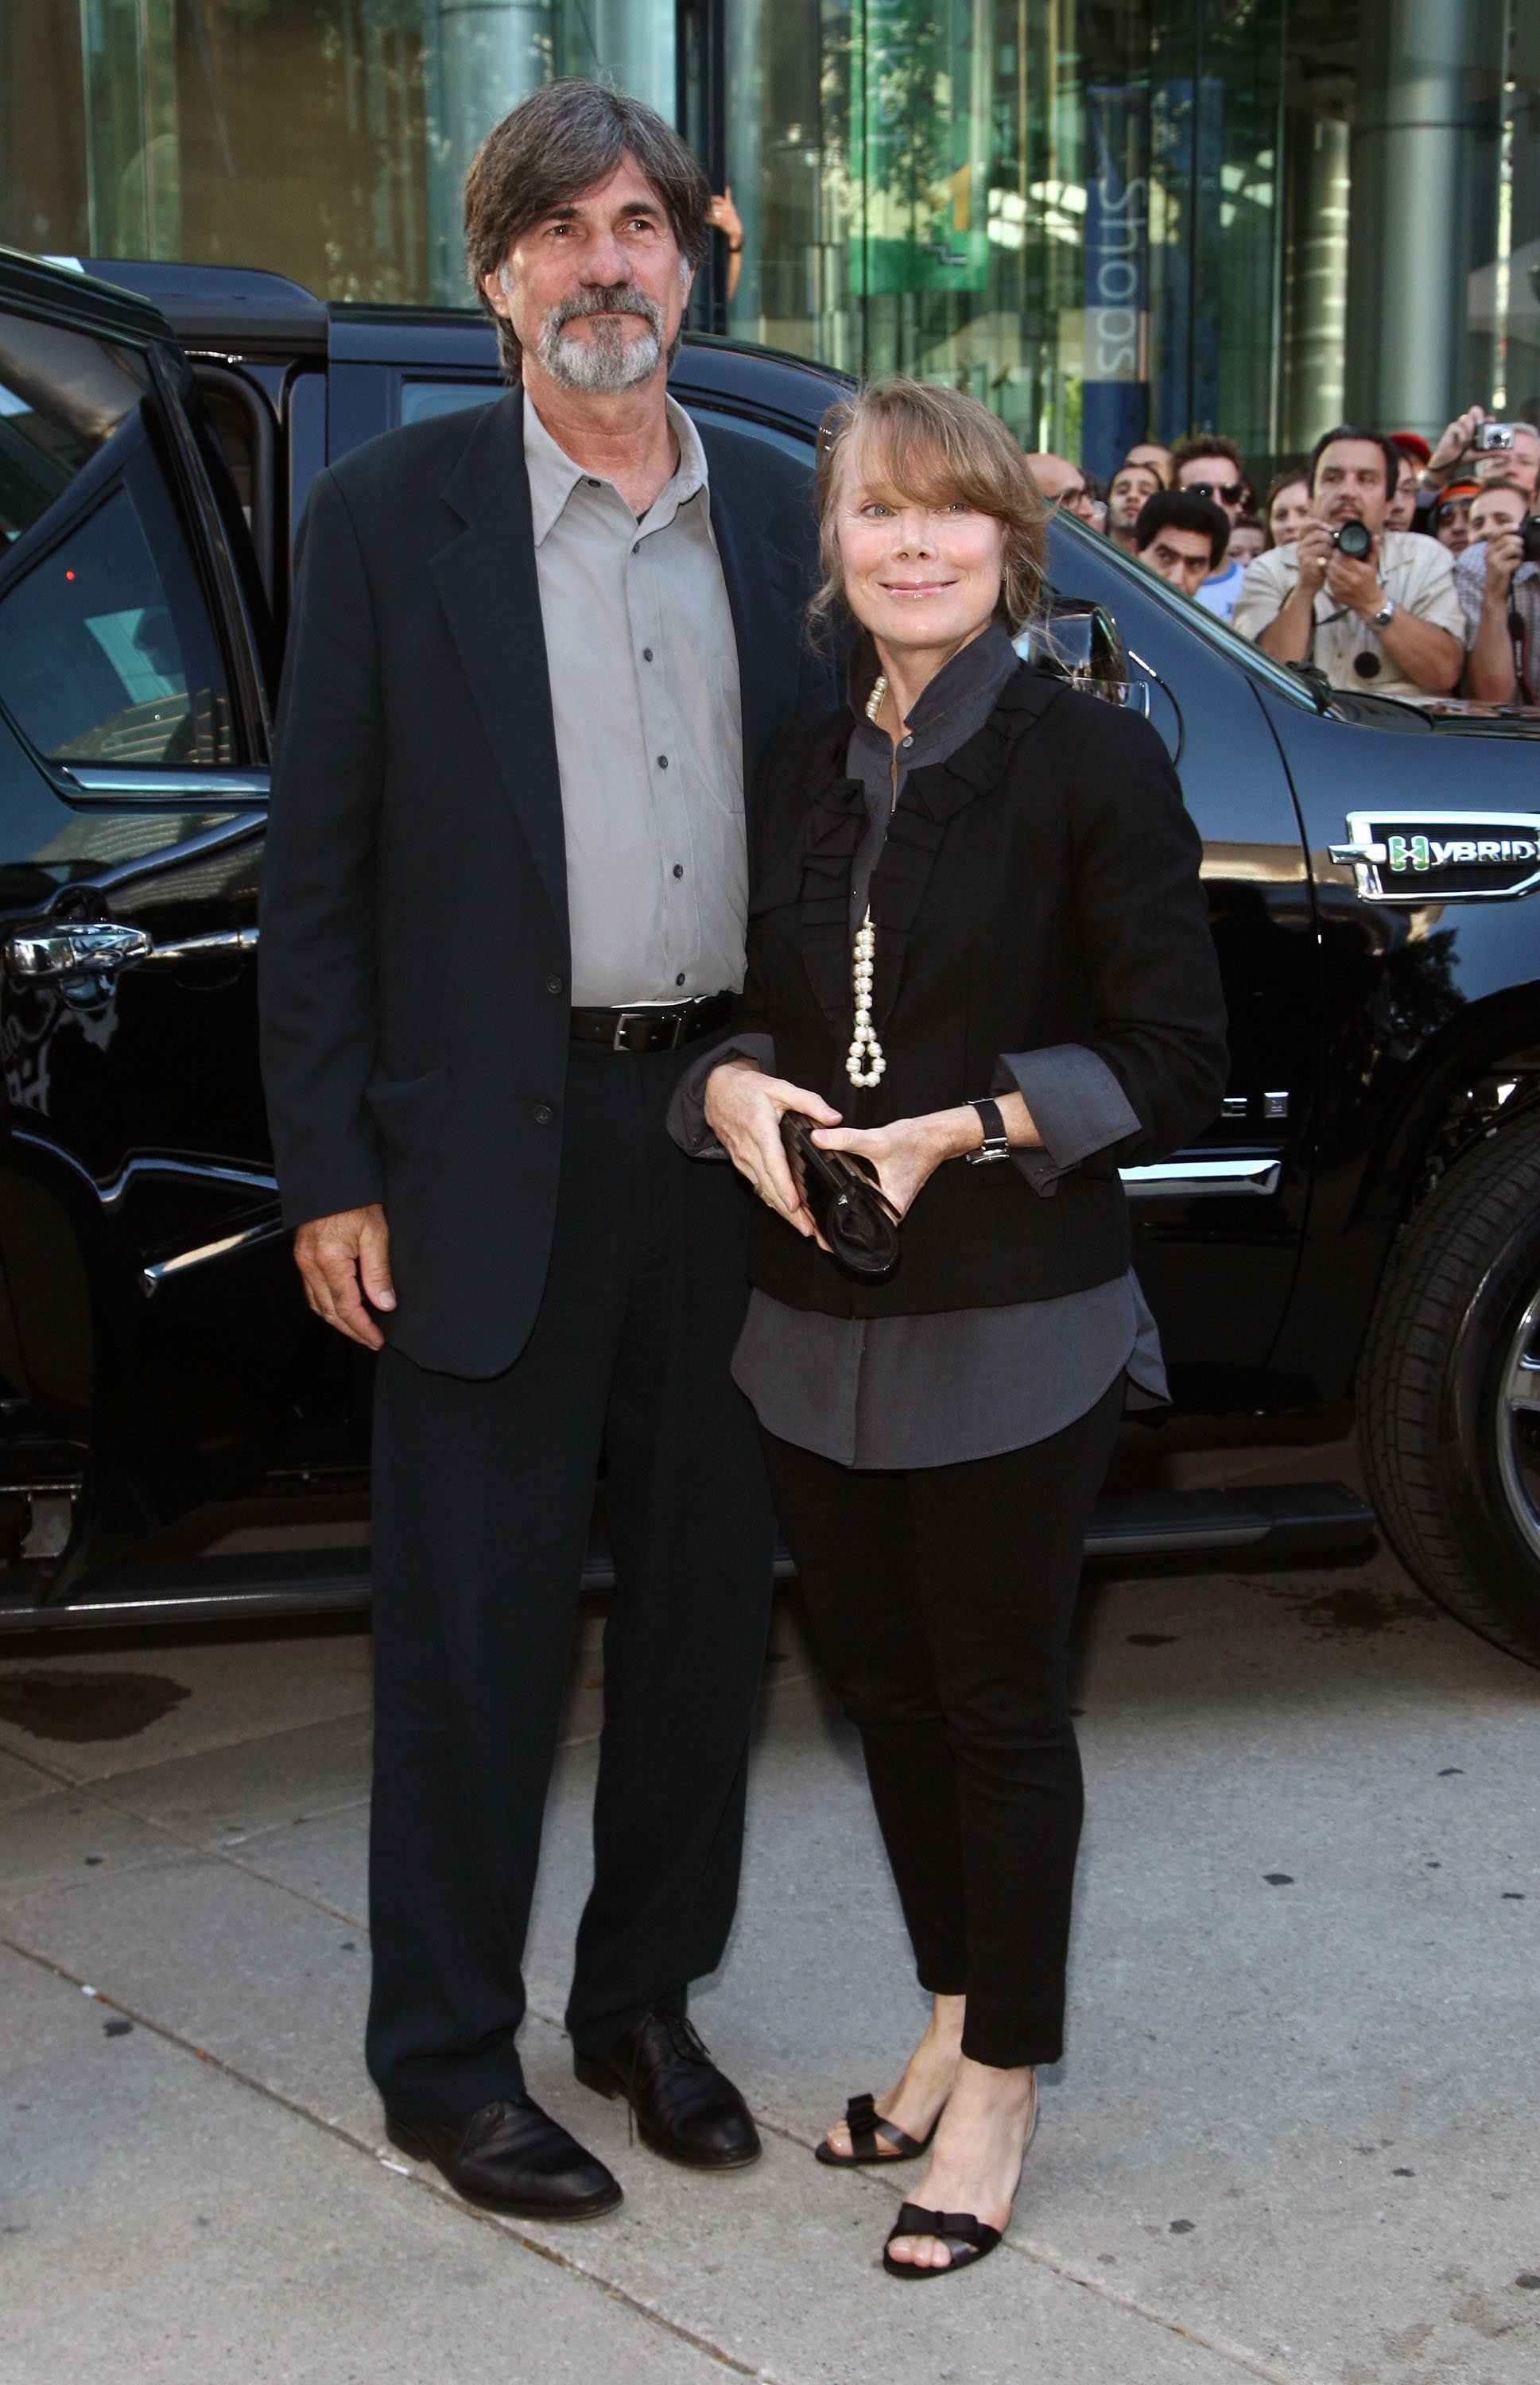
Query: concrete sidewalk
{"points": [[1294, 2136]]}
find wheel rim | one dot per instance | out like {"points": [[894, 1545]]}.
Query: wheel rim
{"points": [[1518, 1426]]}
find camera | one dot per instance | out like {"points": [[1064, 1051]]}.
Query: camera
{"points": [[1492, 437], [1530, 534], [1354, 539]]}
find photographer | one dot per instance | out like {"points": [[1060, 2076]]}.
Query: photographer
{"points": [[1373, 609], [1487, 452], [1498, 580]]}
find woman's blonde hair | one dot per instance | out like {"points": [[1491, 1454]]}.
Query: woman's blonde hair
{"points": [[921, 444]]}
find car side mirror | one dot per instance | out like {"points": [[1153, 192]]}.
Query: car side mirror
{"points": [[1077, 640]]}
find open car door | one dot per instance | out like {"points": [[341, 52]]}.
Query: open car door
{"points": [[151, 1325]]}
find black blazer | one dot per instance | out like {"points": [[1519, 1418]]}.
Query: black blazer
{"points": [[1040, 887], [415, 968]]}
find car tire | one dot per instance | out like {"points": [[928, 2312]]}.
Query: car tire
{"points": [[1451, 1444]]}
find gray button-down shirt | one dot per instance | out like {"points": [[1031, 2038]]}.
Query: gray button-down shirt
{"points": [[946, 1387], [643, 672]]}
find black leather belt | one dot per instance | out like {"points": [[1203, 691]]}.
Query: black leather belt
{"points": [[653, 1026]]}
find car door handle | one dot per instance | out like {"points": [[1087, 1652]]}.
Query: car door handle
{"points": [[98, 949], [95, 949]]}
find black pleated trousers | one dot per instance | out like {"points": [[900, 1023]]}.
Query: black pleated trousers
{"points": [[482, 1493], [940, 1599]]}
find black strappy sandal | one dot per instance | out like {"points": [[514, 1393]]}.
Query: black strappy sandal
{"points": [[967, 2238], [867, 2125]]}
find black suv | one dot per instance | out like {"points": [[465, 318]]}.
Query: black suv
{"points": [[1364, 1216]]}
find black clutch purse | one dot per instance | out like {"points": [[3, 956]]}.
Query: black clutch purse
{"points": [[848, 1204]]}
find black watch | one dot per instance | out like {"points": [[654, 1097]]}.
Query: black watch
{"points": [[996, 1144]]}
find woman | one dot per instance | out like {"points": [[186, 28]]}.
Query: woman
{"points": [[1288, 508], [1042, 993]]}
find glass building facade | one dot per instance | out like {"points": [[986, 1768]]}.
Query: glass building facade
{"points": [[1107, 218]]}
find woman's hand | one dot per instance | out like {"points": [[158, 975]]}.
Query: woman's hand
{"points": [[907, 1154], [743, 1109]]}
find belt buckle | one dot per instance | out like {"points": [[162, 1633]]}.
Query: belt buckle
{"points": [[650, 1019]]}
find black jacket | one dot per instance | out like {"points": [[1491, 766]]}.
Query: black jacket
{"points": [[415, 968], [1038, 889]]}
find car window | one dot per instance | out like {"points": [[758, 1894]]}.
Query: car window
{"points": [[107, 653], [62, 396], [791, 443], [420, 400]]}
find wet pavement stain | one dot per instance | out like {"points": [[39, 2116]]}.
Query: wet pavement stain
{"points": [[1356, 1607], [79, 1707]]}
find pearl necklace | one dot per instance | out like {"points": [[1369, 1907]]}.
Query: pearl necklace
{"points": [[865, 1061]]}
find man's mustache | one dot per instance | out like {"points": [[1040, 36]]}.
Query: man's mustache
{"points": [[623, 299]]}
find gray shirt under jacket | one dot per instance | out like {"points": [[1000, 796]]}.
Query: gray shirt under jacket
{"points": [[891, 1392], [644, 673]]}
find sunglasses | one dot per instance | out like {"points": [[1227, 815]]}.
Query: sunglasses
{"points": [[1230, 492]]}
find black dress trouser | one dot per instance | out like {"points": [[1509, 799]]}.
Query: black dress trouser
{"points": [[482, 1493], [940, 1599]]}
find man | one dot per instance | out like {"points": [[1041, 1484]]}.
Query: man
{"points": [[1449, 518], [1063, 484], [1182, 538], [1149, 451], [1457, 454], [1387, 622], [1500, 592], [1212, 466], [1132, 485], [537, 650], [1401, 512]]}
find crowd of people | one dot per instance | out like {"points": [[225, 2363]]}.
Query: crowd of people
{"points": [[1394, 567]]}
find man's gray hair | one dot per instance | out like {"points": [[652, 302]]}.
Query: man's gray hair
{"points": [[555, 146]]}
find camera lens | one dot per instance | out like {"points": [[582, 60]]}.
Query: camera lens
{"points": [[1353, 539], [1530, 534]]}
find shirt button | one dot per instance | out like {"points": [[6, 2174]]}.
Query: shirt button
{"points": [[662, 761], [647, 654], [594, 485], [553, 985], [637, 548], [544, 1113], [679, 869], [908, 741], [679, 978]]}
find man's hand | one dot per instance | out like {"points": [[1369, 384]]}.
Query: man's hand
{"points": [[1355, 583], [1316, 555], [743, 1109], [335, 1256], [1505, 552], [1455, 441]]}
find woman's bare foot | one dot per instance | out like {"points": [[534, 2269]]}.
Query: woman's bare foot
{"points": [[912, 2105], [976, 2159]]}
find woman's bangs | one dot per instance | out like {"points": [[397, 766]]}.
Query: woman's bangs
{"points": [[904, 464]]}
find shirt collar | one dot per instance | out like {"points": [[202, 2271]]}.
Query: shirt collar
{"points": [[979, 668], [554, 475]]}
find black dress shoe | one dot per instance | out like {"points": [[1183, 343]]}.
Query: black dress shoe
{"points": [[685, 2107], [511, 2156]]}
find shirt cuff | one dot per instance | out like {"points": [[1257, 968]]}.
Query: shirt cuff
{"points": [[686, 1118], [1077, 1106]]}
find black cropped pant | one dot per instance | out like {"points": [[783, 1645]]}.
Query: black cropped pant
{"points": [[941, 1601]]}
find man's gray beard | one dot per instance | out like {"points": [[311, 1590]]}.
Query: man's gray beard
{"points": [[607, 360]]}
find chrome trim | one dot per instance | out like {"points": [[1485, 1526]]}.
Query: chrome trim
{"points": [[226, 939], [1366, 855], [249, 1179], [1195, 1179], [171, 857], [95, 948], [93, 779], [151, 1277]]}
